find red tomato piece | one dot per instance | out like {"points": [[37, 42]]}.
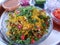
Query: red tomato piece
{"points": [[39, 36], [56, 13], [47, 23], [22, 37], [32, 41]]}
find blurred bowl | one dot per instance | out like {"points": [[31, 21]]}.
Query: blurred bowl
{"points": [[54, 16], [11, 5]]}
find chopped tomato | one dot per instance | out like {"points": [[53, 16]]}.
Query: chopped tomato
{"points": [[22, 37], [32, 41], [38, 36], [47, 23], [56, 13]]}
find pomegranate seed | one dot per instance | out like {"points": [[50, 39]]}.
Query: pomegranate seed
{"points": [[19, 26], [39, 36], [22, 37], [32, 41]]}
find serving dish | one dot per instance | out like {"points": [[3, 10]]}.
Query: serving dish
{"points": [[4, 28], [55, 15]]}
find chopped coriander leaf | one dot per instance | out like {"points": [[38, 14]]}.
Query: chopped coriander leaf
{"points": [[19, 41], [36, 38], [42, 17], [6, 20], [27, 41], [43, 24], [46, 30], [35, 20]]}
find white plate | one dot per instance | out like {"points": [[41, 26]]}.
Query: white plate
{"points": [[1, 43]]}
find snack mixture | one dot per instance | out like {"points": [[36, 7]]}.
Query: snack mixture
{"points": [[26, 25]]}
